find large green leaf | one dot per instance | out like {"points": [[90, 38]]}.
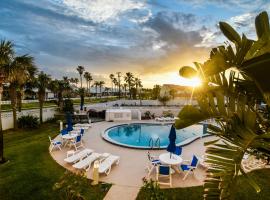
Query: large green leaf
{"points": [[230, 33], [262, 24], [188, 72]]}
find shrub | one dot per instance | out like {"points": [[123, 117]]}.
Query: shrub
{"points": [[28, 121], [151, 190], [168, 114], [51, 120], [148, 115]]}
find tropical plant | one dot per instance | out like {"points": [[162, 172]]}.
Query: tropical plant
{"points": [[96, 84], [138, 86], [6, 55], [101, 83], [28, 121], [119, 83], [80, 70], [156, 91], [232, 101], [164, 99], [112, 78], [42, 83], [68, 106], [129, 78]]}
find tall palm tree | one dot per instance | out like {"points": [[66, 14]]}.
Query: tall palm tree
{"points": [[129, 78], [18, 72], [6, 55], [115, 82], [42, 83], [138, 84], [86, 74], [96, 84], [119, 84], [101, 83], [80, 69], [125, 85], [89, 78], [76, 81], [112, 78]]}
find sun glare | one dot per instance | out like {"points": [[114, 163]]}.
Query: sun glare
{"points": [[193, 82]]}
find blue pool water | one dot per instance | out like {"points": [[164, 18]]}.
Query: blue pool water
{"points": [[139, 135]]}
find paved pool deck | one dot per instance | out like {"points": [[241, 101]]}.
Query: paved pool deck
{"points": [[132, 167]]}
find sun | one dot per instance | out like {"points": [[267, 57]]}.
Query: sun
{"points": [[192, 82]]}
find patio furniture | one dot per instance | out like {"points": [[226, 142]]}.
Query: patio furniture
{"points": [[64, 132], [55, 144], [77, 142], [164, 171], [70, 153], [191, 167], [85, 163], [153, 162], [106, 165], [78, 156], [69, 138], [170, 159]]}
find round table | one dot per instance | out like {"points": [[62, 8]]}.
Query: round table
{"points": [[170, 159], [69, 136]]}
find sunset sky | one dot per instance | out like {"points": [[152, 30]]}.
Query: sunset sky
{"points": [[151, 38]]}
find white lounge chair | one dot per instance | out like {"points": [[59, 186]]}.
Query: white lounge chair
{"points": [[86, 162], [78, 156], [106, 165]]}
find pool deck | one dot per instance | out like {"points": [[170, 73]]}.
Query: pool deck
{"points": [[133, 162]]}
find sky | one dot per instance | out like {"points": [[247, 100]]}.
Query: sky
{"points": [[152, 39]]}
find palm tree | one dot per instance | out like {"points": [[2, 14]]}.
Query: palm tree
{"points": [[96, 84], [89, 78], [6, 55], [112, 78], [80, 69], [231, 101], [119, 84], [65, 78], [86, 74], [76, 81], [42, 83], [138, 84], [101, 83], [125, 89], [115, 82], [18, 72], [129, 78]]}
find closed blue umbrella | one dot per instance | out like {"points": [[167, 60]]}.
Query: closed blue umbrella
{"points": [[172, 137], [69, 121]]}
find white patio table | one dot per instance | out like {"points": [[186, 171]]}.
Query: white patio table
{"points": [[170, 159], [69, 137]]}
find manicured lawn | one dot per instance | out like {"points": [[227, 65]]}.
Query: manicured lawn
{"points": [[31, 173], [244, 190]]}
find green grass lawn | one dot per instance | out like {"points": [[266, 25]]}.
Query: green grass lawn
{"points": [[31, 172], [244, 190]]}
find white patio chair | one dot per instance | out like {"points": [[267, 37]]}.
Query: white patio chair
{"points": [[78, 156], [106, 165], [190, 167], [164, 171], [77, 142], [55, 144], [153, 162]]}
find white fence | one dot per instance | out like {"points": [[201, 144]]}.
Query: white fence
{"points": [[7, 117]]}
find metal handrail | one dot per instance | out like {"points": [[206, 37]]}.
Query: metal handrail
{"points": [[151, 140], [157, 143]]}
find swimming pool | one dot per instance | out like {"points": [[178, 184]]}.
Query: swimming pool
{"points": [[146, 136]]}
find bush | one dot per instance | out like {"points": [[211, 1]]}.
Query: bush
{"points": [[148, 115], [168, 114], [28, 121], [51, 120], [151, 191]]}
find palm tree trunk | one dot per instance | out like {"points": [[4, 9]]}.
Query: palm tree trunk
{"points": [[13, 97], [41, 102], [19, 100], [2, 159], [129, 92], [81, 80]]}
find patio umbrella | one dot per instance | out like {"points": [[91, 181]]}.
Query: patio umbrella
{"points": [[69, 121], [172, 137]]}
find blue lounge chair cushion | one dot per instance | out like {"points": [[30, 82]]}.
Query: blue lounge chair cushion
{"points": [[164, 170], [57, 142], [184, 167], [78, 139], [64, 132], [82, 131]]}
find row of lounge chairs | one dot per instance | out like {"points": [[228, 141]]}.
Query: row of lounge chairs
{"points": [[83, 160], [165, 119]]}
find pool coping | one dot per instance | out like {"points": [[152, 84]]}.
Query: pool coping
{"points": [[184, 143]]}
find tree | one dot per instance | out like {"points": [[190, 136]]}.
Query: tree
{"points": [[80, 69], [42, 83], [6, 55], [18, 71], [138, 84], [156, 91], [112, 78], [125, 85], [119, 84], [88, 78], [101, 83], [115, 82], [173, 93], [96, 84], [231, 101], [129, 78]]}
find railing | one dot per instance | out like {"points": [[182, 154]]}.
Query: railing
{"points": [[155, 145]]}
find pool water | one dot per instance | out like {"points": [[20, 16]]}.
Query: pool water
{"points": [[139, 135]]}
